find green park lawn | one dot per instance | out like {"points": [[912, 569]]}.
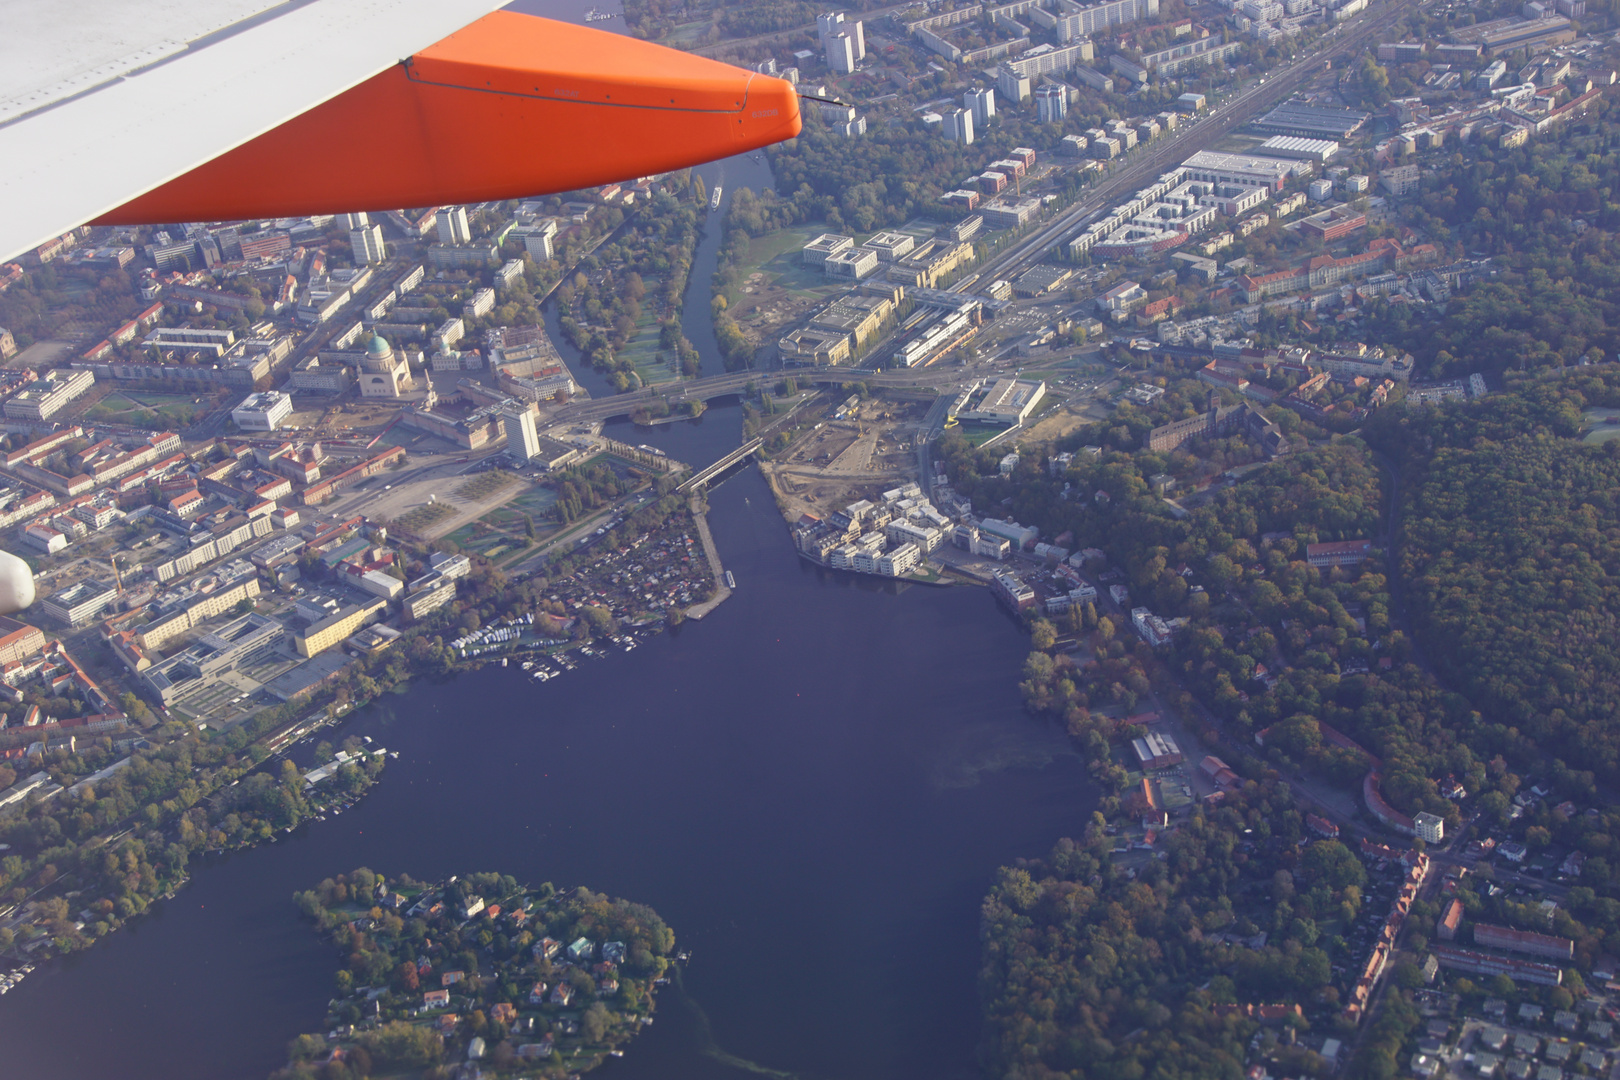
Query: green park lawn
{"points": [[642, 348], [147, 408]]}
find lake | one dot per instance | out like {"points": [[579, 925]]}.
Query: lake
{"points": [[813, 786]]}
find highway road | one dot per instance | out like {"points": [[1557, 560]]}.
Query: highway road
{"points": [[736, 382], [1346, 41], [1134, 172]]}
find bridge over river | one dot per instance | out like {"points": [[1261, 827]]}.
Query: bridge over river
{"points": [[709, 472], [594, 410]]}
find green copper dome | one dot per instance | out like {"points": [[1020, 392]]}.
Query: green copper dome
{"points": [[378, 346]]}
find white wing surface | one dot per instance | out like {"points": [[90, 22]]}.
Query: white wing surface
{"points": [[104, 100]]}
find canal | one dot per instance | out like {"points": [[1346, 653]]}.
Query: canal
{"points": [[697, 323]]}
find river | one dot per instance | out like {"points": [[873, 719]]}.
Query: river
{"points": [[731, 174], [813, 786]]}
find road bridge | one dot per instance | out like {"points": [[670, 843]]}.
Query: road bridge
{"points": [[1344, 42], [709, 472], [593, 410]]}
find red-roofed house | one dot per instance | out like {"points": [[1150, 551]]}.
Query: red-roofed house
{"points": [[1338, 553], [1450, 919]]}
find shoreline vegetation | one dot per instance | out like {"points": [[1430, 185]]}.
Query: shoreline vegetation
{"points": [[478, 969], [600, 307], [120, 836], [1223, 936]]}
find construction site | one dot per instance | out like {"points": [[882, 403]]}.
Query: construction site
{"points": [[864, 447]]}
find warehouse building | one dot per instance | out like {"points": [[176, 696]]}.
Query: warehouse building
{"points": [[1244, 170], [1311, 121], [1008, 401], [1155, 751], [1292, 146], [243, 641]]}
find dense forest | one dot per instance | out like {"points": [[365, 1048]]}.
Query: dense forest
{"points": [[47, 300], [1512, 554], [1107, 967], [1547, 216], [1507, 555], [1104, 500], [1272, 643]]}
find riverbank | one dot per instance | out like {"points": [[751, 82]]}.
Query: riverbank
{"points": [[921, 575], [229, 802], [719, 773], [227, 805]]}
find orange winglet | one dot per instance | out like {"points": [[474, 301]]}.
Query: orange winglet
{"points": [[510, 106]]}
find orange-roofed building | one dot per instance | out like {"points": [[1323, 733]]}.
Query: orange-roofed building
{"points": [[1450, 919]]}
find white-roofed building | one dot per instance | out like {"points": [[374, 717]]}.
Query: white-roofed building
{"points": [[262, 411]]}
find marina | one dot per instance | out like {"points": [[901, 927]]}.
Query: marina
{"points": [[622, 763]]}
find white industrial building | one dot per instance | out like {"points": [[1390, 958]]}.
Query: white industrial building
{"points": [[453, 227], [1292, 146], [981, 101], [851, 263], [816, 252], [1430, 828], [367, 242], [958, 126], [49, 395], [522, 440], [1051, 104], [1247, 170], [262, 411], [1008, 401], [482, 303]]}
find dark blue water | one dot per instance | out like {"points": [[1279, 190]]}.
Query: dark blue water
{"points": [[814, 786]]}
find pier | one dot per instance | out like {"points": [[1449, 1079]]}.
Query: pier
{"points": [[721, 592]]}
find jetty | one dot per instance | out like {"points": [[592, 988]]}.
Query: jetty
{"points": [[721, 592]]}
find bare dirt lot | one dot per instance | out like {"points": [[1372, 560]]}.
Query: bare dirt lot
{"points": [[847, 460], [43, 354], [470, 497], [765, 310], [340, 417], [1064, 421]]}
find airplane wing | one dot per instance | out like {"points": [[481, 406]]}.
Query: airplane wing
{"points": [[201, 110]]}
